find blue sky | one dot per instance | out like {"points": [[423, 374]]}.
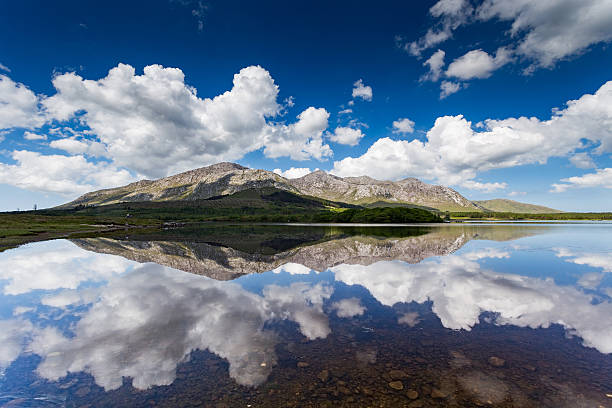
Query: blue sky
{"points": [[478, 92]]}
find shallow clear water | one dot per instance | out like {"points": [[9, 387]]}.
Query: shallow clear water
{"points": [[452, 315]]}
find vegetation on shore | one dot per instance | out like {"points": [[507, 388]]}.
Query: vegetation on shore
{"points": [[565, 216]]}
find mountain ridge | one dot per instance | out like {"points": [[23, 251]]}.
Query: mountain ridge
{"points": [[227, 178]]}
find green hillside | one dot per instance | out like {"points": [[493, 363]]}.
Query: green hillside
{"points": [[511, 206]]}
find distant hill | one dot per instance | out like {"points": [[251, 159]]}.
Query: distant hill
{"points": [[229, 178], [505, 205]]}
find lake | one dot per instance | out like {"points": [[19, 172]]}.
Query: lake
{"points": [[300, 316]]}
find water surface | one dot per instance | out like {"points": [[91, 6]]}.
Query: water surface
{"points": [[450, 315]]}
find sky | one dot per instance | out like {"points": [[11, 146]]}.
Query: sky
{"points": [[496, 99]]}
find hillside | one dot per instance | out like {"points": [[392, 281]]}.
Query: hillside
{"points": [[203, 183], [366, 190], [228, 178], [505, 205]]}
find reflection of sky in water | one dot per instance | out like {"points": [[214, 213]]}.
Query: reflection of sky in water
{"points": [[112, 318]]}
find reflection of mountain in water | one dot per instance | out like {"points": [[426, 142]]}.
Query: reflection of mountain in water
{"points": [[224, 262]]}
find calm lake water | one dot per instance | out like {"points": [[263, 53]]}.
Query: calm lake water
{"points": [[234, 316]]}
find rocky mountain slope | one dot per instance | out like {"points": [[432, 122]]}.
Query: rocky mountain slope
{"points": [[366, 190], [504, 205], [228, 178], [206, 182]]}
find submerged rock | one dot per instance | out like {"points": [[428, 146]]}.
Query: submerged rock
{"points": [[396, 385], [496, 361]]}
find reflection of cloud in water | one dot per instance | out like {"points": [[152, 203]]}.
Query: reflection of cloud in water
{"points": [[460, 291], [54, 265], [348, 307], [13, 334], [411, 319], [594, 260], [144, 323]]}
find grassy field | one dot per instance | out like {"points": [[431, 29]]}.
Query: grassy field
{"points": [[19, 228]]}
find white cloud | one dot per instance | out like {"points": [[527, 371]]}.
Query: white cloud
{"points": [[362, 91], [345, 112], [451, 14], [582, 161], [294, 172], [486, 187], [4, 68], [403, 125], [19, 106], [477, 64], [460, 290], [348, 307], [27, 135], [13, 336], [67, 175], [73, 145], [186, 312], [547, 31], [601, 178], [543, 32], [435, 64], [300, 140], [155, 124], [346, 136], [53, 265], [601, 261], [448, 88], [454, 152], [517, 193]]}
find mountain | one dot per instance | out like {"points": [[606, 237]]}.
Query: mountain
{"points": [[206, 182], [229, 178], [504, 205], [366, 190]]}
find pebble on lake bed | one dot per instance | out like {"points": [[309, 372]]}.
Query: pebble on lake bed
{"points": [[496, 361], [396, 385]]}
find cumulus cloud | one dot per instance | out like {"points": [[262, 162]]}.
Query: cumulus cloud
{"points": [[601, 178], [156, 124], [460, 290], [435, 63], [455, 152], [547, 31], [27, 135], [403, 126], [582, 160], [19, 106], [448, 88], [542, 32], [450, 14], [67, 175], [486, 187], [294, 172], [362, 91], [349, 307], [300, 140], [346, 136], [79, 146], [477, 64]]}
